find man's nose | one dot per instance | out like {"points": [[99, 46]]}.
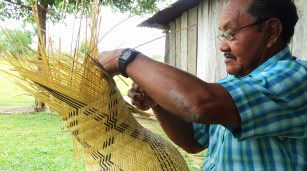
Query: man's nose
{"points": [[224, 45]]}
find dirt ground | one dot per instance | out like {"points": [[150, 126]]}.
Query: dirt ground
{"points": [[16, 110]]}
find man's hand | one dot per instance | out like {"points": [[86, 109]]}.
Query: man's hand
{"points": [[109, 60], [140, 98]]}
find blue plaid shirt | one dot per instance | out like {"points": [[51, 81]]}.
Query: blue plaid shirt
{"points": [[272, 102]]}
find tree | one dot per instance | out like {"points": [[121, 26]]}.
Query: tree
{"points": [[22, 10], [82, 47], [22, 34]]}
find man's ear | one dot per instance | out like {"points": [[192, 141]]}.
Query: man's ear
{"points": [[273, 29]]}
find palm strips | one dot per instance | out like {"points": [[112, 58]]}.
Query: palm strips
{"points": [[91, 106]]}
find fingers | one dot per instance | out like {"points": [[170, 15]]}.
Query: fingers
{"points": [[106, 56], [138, 100], [143, 105], [137, 88], [151, 102], [136, 93], [109, 60]]}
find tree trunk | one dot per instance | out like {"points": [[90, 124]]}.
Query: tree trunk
{"points": [[42, 14]]}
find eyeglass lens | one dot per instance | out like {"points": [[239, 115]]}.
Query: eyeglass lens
{"points": [[226, 34]]}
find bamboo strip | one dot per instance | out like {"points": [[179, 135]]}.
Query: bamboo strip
{"points": [[86, 98]]}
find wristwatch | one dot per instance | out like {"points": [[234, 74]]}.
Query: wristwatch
{"points": [[127, 56]]}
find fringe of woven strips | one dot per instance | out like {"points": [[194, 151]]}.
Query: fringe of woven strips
{"points": [[91, 106]]}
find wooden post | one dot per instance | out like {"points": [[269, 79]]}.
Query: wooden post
{"points": [[192, 41], [178, 43], [299, 44], [172, 46], [184, 42]]}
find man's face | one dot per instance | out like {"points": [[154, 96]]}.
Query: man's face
{"points": [[246, 51]]}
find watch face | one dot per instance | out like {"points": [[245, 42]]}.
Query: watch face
{"points": [[126, 55]]}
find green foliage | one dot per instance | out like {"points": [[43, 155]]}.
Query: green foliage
{"points": [[12, 37], [157, 58], [123, 88], [134, 6], [22, 10], [10, 93], [82, 48], [36, 142]]}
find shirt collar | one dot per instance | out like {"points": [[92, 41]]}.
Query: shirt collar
{"points": [[284, 54]]}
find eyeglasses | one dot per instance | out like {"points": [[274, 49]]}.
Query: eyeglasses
{"points": [[229, 34]]}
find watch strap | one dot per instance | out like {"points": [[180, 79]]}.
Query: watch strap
{"points": [[126, 57]]}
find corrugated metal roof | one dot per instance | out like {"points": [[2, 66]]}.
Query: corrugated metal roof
{"points": [[162, 19]]}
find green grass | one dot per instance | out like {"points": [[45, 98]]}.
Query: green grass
{"points": [[187, 157], [11, 94], [36, 142], [123, 88]]}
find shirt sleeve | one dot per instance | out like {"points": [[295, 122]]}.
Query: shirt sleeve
{"points": [[272, 103], [201, 134]]}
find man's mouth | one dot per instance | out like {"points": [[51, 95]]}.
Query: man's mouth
{"points": [[229, 56]]}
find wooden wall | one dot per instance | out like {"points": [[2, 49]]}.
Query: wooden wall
{"points": [[183, 45], [210, 60], [196, 50], [299, 41]]}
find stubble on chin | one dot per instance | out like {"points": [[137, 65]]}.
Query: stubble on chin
{"points": [[234, 68]]}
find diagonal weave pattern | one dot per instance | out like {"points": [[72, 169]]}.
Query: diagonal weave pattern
{"points": [[91, 106]]}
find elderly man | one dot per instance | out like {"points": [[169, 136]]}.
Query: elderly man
{"points": [[256, 117]]}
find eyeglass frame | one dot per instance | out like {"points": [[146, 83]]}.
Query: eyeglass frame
{"points": [[229, 33]]}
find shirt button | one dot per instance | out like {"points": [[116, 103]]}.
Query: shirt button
{"points": [[212, 161]]}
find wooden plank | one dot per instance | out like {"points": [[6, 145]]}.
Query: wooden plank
{"points": [[167, 48], [172, 45], [299, 44], [178, 43], [210, 61], [201, 40], [192, 40], [184, 42]]}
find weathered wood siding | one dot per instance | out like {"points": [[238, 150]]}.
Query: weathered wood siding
{"points": [[183, 45], [299, 44], [196, 50], [210, 61], [172, 45], [192, 41]]}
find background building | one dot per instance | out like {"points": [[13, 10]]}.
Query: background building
{"points": [[196, 49]]}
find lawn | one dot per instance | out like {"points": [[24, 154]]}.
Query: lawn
{"points": [[11, 94], [194, 161], [37, 142]]}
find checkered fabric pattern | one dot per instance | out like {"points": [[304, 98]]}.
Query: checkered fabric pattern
{"points": [[272, 103]]}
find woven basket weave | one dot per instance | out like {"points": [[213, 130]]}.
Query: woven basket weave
{"points": [[91, 106], [99, 119]]}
